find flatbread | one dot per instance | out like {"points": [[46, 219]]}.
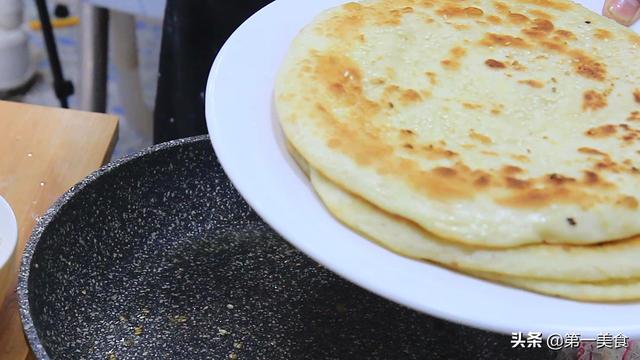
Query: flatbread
{"points": [[622, 291], [565, 263], [484, 122], [520, 267]]}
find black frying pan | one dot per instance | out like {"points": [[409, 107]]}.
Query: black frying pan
{"points": [[157, 257]]}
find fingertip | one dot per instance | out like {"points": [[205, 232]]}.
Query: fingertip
{"points": [[625, 12]]}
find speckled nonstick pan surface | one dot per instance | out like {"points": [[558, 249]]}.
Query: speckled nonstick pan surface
{"points": [[157, 257]]}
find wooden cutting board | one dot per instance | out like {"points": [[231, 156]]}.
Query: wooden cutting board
{"points": [[43, 152]]}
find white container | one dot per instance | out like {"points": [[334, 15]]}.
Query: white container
{"points": [[10, 14], [8, 243], [153, 9], [15, 62]]}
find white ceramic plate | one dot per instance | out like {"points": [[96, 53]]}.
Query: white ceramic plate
{"points": [[249, 144], [8, 242]]}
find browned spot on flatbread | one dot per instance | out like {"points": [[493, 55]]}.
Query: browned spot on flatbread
{"points": [[593, 100], [495, 64], [494, 19], [482, 181], [473, 11], [564, 35], [584, 64], [515, 183], [458, 52], [536, 198], [453, 62], [491, 39], [392, 89], [435, 152], [394, 18], [591, 151], [634, 116], [348, 23], [543, 25], [533, 83], [556, 46], [433, 78], [515, 65], [587, 66], [515, 18], [342, 76], [497, 109], [606, 164], [539, 29], [480, 137], [352, 6], [630, 135], [601, 131], [501, 7], [510, 170], [591, 178], [628, 202], [343, 80], [345, 25], [603, 34], [521, 158], [407, 133], [444, 171], [410, 96], [393, 94], [362, 146], [558, 180], [549, 4], [451, 11], [540, 14], [472, 106], [636, 95]]}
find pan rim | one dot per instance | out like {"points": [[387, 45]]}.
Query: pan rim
{"points": [[22, 291]]}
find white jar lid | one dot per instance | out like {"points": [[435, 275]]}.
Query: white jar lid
{"points": [[16, 67], [8, 237]]}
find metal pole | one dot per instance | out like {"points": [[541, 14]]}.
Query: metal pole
{"points": [[62, 87], [94, 39]]}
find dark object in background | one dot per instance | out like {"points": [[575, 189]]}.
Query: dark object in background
{"points": [[61, 11], [158, 257], [62, 88], [193, 32]]}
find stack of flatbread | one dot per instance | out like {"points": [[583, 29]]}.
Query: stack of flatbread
{"points": [[498, 139]]}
